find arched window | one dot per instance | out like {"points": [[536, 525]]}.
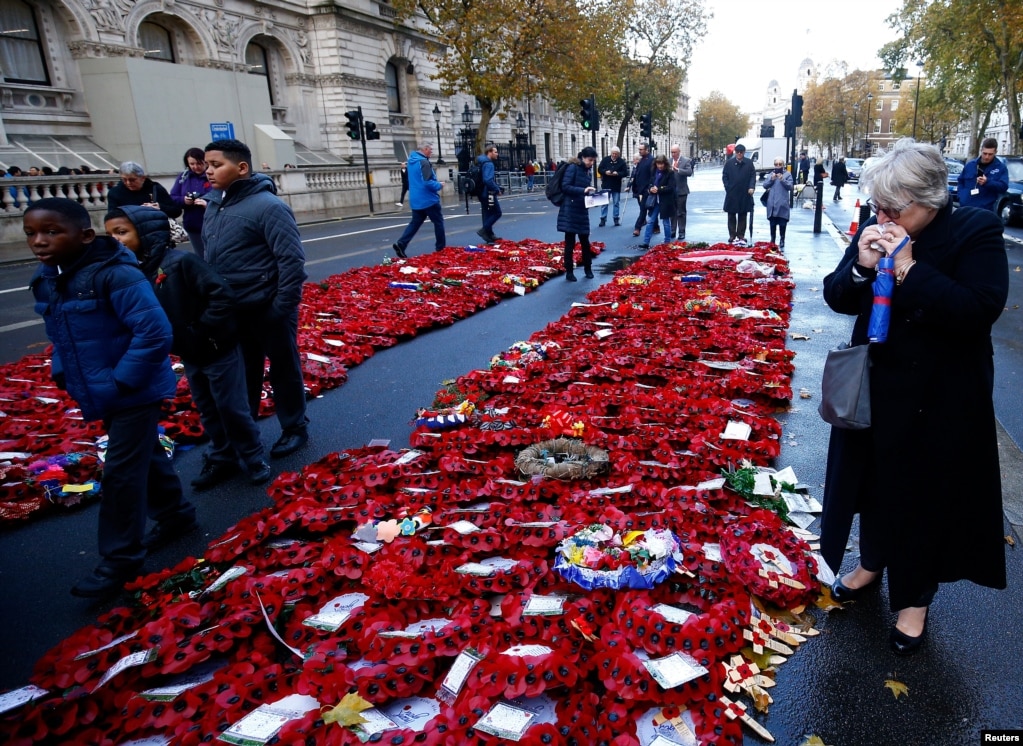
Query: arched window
{"points": [[393, 91], [156, 42], [258, 61], [21, 50]]}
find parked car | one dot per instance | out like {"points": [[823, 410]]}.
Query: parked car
{"points": [[1010, 206], [854, 166], [954, 169]]}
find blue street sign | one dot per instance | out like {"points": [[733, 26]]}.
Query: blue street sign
{"points": [[221, 131]]}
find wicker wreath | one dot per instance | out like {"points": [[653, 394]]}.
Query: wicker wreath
{"points": [[563, 458]]}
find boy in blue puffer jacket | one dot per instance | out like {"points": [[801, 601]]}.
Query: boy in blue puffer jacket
{"points": [[200, 307], [110, 343]]}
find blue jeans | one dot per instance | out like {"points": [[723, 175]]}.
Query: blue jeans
{"points": [[651, 219], [436, 216], [616, 200], [491, 211], [218, 391]]}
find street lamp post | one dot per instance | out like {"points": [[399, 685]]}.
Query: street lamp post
{"points": [[916, 104], [856, 122], [436, 119], [866, 130]]}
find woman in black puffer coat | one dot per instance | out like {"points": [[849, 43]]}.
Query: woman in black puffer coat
{"points": [[573, 218]]}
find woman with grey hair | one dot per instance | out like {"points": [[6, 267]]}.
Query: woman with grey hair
{"points": [[924, 477], [138, 189]]}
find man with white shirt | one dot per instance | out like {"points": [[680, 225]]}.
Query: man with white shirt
{"points": [[682, 168]]}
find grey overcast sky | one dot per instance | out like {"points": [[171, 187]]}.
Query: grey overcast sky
{"points": [[749, 43]]}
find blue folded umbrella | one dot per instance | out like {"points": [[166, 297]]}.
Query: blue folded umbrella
{"points": [[884, 284], [881, 312]]}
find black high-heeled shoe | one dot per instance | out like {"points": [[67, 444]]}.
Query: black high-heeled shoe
{"points": [[903, 644], [843, 594]]}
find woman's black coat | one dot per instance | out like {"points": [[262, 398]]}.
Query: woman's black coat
{"points": [[927, 469], [573, 217]]}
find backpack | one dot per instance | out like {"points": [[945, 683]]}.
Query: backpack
{"points": [[472, 182], [553, 190]]}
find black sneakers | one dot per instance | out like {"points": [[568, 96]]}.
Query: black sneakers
{"points": [[165, 532], [289, 442], [214, 473], [259, 473], [103, 582]]}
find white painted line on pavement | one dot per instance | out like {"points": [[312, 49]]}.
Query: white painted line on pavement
{"points": [[20, 325], [14, 290]]}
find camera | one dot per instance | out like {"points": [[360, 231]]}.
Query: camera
{"points": [[193, 195]]}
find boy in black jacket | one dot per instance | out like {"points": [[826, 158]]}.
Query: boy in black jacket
{"points": [[200, 306]]}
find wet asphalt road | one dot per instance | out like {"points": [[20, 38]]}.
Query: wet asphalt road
{"points": [[967, 677]]}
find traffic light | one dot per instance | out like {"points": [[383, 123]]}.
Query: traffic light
{"points": [[797, 110], [354, 124], [646, 125], [371, 131], [588, 114], [790, 131]]}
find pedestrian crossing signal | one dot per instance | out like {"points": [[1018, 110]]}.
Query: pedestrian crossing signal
{"points": [[354, 124], [646, 125], [588, 115], [371, 131]]}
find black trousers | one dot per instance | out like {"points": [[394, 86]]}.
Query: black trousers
{"points": [[138, 479], [736, 225], [643, 212], [263, 336], [584, 244]]}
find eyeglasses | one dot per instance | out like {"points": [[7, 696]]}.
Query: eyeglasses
{"points": [[893, 212]]}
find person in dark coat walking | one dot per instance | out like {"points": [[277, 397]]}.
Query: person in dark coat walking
{"points": [[659, 199], [573, 217], [839, 177], [804, 167], [404, 185], [778, 184], [110, 343], [819, 172], [200, 307], [739, 176], [640, 181], [924, 477]]}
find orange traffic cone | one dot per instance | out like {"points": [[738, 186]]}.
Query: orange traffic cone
{"points": [[855, 224]]}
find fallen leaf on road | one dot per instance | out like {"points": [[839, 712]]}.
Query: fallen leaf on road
{"points": [[813, 741], [897, 687], [795, 335], [825, 601], [1010, 541], [805, 394]]}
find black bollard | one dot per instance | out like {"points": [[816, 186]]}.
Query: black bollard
{"points": [[818, 207]]}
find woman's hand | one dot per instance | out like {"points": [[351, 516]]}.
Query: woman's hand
{"points": [[200, 202], [653, 190], [877, 241]]}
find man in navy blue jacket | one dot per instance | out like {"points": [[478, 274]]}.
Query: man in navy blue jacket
{"points": [[110, 343], [984, 179], [489, 205]]}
